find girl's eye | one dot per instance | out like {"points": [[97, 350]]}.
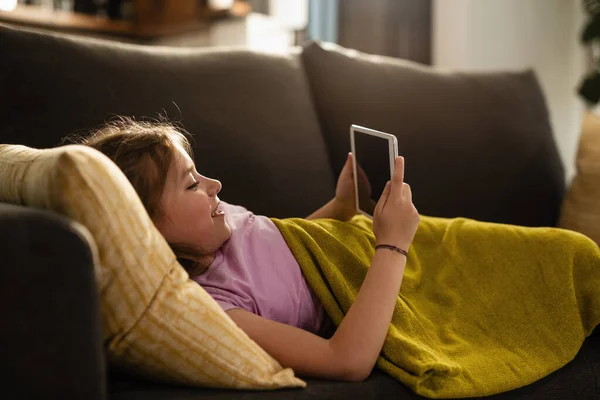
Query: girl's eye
{"points": [[194, 186]]}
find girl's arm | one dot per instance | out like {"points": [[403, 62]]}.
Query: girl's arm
{"points": [[333, 209], [350, 354], [341, 207]]}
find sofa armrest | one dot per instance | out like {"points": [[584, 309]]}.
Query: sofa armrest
{"points": [[50, 332]]}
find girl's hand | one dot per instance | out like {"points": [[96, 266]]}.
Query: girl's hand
{"points": [[396, 219], [344, 192]]}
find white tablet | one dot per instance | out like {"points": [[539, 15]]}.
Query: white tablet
{"points": [[373, 159]]}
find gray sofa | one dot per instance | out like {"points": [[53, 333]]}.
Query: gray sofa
{"points": [[274, 129]]}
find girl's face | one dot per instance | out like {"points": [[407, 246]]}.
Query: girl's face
{"points": [[189, 202]]}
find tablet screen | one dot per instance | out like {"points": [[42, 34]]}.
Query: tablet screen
{"points": [[372, 155]]}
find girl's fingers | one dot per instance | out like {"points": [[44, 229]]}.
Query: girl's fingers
{"points": [[384, 197], [399, 170], [398, 177], [407, 191]]}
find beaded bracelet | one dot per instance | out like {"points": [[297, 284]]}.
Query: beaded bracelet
{"points": [[389, 246]]}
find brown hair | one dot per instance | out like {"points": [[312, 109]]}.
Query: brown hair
{"points": [[144, 151]]}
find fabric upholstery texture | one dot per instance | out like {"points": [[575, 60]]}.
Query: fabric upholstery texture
{"points": [[50, 337], [514, 176], [156, 321], [247, 110], [581, 207]]}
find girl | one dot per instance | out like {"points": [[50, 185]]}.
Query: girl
{"points": [[243, 262]]}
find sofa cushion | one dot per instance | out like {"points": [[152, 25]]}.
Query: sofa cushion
{"points": [[157, 323], [581, 208], [476, 145], [248, 111]]}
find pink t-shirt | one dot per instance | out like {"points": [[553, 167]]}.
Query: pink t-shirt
{"points": [[256, 271]]}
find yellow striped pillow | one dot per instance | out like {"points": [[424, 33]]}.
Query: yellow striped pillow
{"points": [[157, 322], [581, 207]]}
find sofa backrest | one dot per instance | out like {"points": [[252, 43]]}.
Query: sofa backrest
{"points": [[250, 113], [476, 145], [274, 128]]}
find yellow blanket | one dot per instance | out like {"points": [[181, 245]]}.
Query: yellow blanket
{"points": [[483, 308]]}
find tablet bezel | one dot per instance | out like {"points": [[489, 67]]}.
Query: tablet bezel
{"points": [[392, 154]]}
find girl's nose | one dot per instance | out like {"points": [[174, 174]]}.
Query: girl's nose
{"points": [[216, 186]]}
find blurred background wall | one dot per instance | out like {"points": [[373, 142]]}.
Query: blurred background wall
{"points": [[514, 34]]}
